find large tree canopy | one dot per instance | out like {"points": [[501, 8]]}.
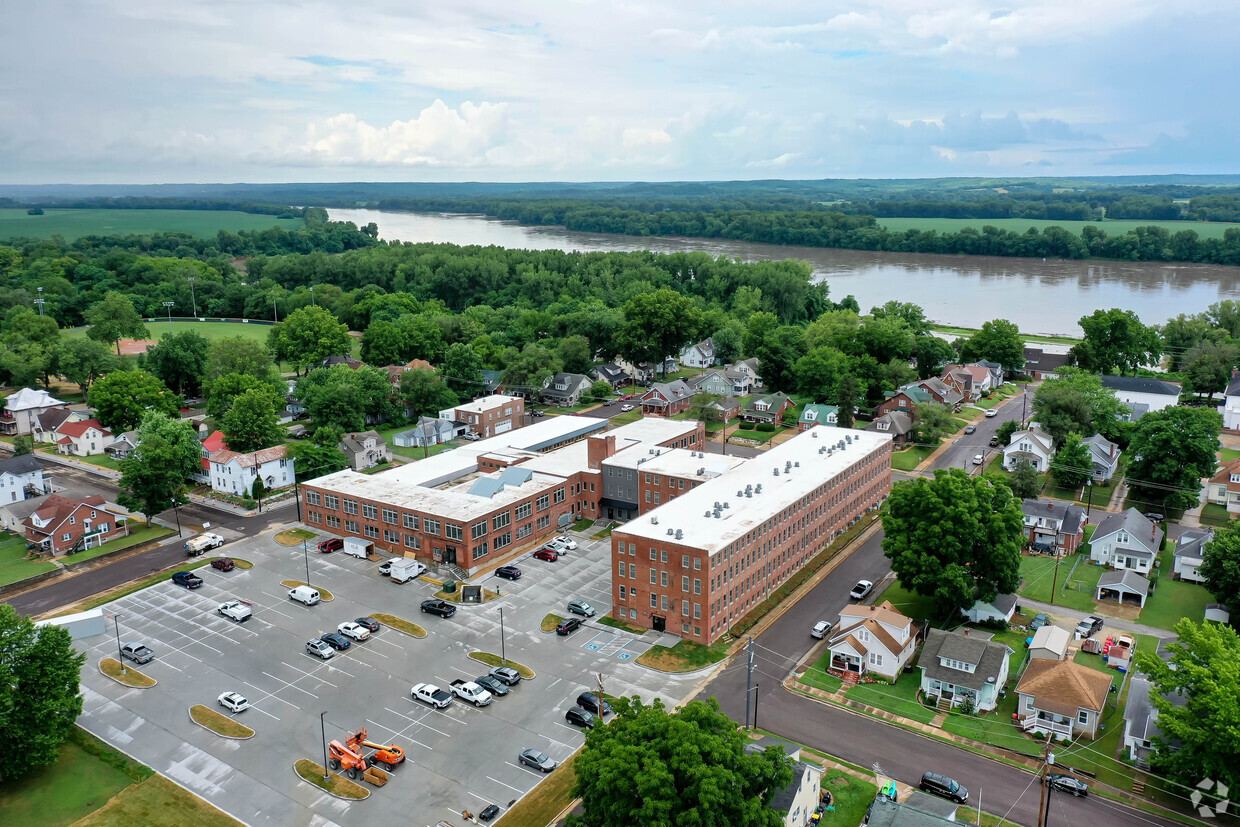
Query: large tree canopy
{"points": [[114, 318], [1172, 450], [180, 361], [308, 336], [154, 474], [955, 538], [657, 325], [1115, 339], [656, 768], [1220, 568], [252, 423], [998, 341], [123, 396], [39, 692], [345, 398]]}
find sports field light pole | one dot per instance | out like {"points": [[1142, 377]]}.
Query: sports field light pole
{"points": [[193, 297], [117, 619], [323, 732], [168, 306], [39, 301]]}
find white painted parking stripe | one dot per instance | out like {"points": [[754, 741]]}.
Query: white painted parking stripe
{"points": [[420, 721], [401, 734], [311, 674], [265, 712], [502, 784], [271, 695], [290, 686]]}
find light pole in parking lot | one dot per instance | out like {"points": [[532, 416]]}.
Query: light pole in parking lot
{"points": [[502, 654], [117, 619], [323, 733], [176, 506], [305, 550]]}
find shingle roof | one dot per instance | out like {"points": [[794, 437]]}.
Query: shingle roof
{"points": [[76, 429], [818, 413], [1069, 515], [26, 398], [986, 655], [1051, 637], [1138, 384], [55, 509], [1126, 579], [1039, 360], [253, 459], [19, 465], [1135, 523], [356, 442], [900, 422], [1192, 543], [1224, 474], [1063, 687], [53, 419]]}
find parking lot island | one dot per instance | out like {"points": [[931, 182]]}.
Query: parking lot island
{"points": [[335, 785], [324, 594], [126, 675], [400, 624], [495, 660], [221, 725]]}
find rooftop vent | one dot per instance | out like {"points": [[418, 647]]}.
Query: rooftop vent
{"points": [[717, 506], [670, 532], [679, 534], [726, 504], [718, 514], [654, 520], [740, 493], [651, 452], [749, 494], [707, 514], [813, 433], [702, 471], [796, 464], [758, 490], [775, 472]]}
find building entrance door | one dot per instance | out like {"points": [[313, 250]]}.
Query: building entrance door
{"points": [[659, 622]]}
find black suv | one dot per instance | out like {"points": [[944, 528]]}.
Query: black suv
{"points": [[438, 607], [187, 579], [590, 703], [568, 625], [943, 786]]}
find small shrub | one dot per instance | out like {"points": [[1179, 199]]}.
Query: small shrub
{"points": [[992, 624], [967, 706], [745, 425], [766, 427]]}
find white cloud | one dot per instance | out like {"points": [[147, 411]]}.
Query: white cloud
{"points": [[438, 136]]}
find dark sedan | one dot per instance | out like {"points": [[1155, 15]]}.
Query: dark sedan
{"points": [[336, 640], [508, 572], [580, 717], [568, 625], [368, 623], [493, 685], [1068, 784], [438, 607]]}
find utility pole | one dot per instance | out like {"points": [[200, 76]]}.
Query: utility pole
{"points": [[192, 296], [756, 687], [1024, 412], [1047, 758], [749, 681], [601, 699], [323, 733], [306, 553], [117, 619]]}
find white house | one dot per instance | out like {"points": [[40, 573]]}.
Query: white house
{"points": [[1001, 608], [701, 355], [1033, 445], [82, 438], [1050, 643], [20, 477], [428, 431], [1104, 457], [565, 389], [47, 424], [1224, 488], [1231, 403], [123, 445], [1141, 719], [798, 800], [1190, 551], [233, 473], [22, 408], [1061, 698], [963, 667], [1126, 541], [365, 449], [1142, 395], [872, 639]]}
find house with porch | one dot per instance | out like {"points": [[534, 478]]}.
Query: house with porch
{"points": [[22, 408], [812, 415], [721, 383], [1034, 446], [973, 381], [428, 431], [234, 473], [767, 407], [1104, 457], [904, 399], [1055, 524], [610, 373], [1190, 553], [1128, 540], [898, 424], [365, 449], [666, 398], [20, 477], [798, 800], [61, 524], [700, 355], [566, 390], [48, 423], [1042, 365], [82, 438], [724, 409], [1224, 487], [122, 446], [963, 667], [872, 640], [1061, 698]]}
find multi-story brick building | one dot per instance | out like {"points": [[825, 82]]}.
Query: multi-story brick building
{"points": [[490, 415], [483, 502], [696, 564]]}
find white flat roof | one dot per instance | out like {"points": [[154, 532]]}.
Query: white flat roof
{"points": [[453, 504], [487, 403], [677, 462], [688, 511]]}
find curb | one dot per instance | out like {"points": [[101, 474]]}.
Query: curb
{"points": [[297, 775], [220, 734], [533, 674], [128, 685], [402, 631]]}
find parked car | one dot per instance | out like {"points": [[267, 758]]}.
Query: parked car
{"points": [[994, 442], [1089, 626], [580, 607], [203, 543], [386, 569], [187, 579], [368, 623], [556, 546], [607, 403], [305, 594], [537, 760], [992, 413], [236, 610], [568, 625], [489, 812], [1068, 784], [1039, 620], [978, 459], [353, 630], [493, 685], [506, 674], [970, 429], [431, 694], [471, 436], [334, 544], [860, 590], [566, 541], [943, 786], [438, 607], [137, 652], [336, 640], [233, 702], [1156, 516], [590, 702], [625, 408], [223, 564], [537, 414], [580, 717], [320, 648], [546, 554], [821, 629], [508, 572]]}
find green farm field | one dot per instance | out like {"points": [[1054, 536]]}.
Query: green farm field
{"points": [[73, 224], [1204, 229]]}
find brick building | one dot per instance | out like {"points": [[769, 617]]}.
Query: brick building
{"points": [[59, 524], [490, 415], [697, 564]]}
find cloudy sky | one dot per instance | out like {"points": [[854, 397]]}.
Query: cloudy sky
{"points": [[148, 91]]}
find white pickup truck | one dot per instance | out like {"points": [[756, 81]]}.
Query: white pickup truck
{"points": [[202, 544], [235, 609], [431, 694], [472, 692]]}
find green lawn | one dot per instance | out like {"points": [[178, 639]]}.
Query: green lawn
{"points": [[900, 699], [63, 792], [73, 224], [818, 677], [1204, 229], [910, 458], [755, 435], [102, 460], [993, 727], [255, 330], [137, 536], [1215, 515], [850, 796], [1075, 592], [626, 418], [13, 563], [1173, 599], [907, 603], [1226, 455]]}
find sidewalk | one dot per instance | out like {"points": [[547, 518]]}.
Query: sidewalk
{"points": [[1111, 623]]}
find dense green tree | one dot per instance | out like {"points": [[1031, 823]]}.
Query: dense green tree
{"points": [[383, 343], [912, 315], [40, 695], [258, 490], [998, 341], [835, 328], [574, 353], [122, 397], [847, 400], [180, 361], [1181, 334], [308, 336], [1072, 464], [23, 444], [601, 390], [82, 361], [1172, 450], [1024, 481], [931, 353], [932, 422], [819, 373], [320, 454], [424, 393], [237, 354], [657, 325], [1196, 691], [727, 341], [1061, 409], [346, 398], [955, 538], [1207, 367], [529, 370], [462, 370], [25, 363], [651, 766], [1220, 568], [758, 330], [154, 475], [1115, 339], [701, 410], [21, 324], [1005, 431], [251, 422], [778, 353], [224, 390], [885, 339], [114, 318]]}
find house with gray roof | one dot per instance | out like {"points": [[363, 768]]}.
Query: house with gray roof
{"points": [[798, 800], [963, 666], [918, 810], [899, 424], [700, 355], [1034, 445], [1122, 584], [23, 407], [1141, 731], [1054, 525], [428, 431], [566, 389], [1136, 390], [1190, 553], [611, 374], [1001, 608], [122, 446], [1104, 457], [666, 398], [1126, 541], [365, 449], [21, 477], [1042, 365]]}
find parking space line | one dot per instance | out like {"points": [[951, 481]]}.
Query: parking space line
{"points": [[310, 674], [400, 734], [267, 694], [265, 712], [419, 721], [290, 686], [502, 784], [385, 640]]}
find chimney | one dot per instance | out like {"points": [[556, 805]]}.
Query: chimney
{"points": [[202, 431], [599, 448]]}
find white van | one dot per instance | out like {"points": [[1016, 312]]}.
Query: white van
{"points": [[305, 594]]}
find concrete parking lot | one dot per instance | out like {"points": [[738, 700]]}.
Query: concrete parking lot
{"points": [[460, 758]]}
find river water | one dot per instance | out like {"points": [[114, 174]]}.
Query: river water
{"points": [[1041, 296]]}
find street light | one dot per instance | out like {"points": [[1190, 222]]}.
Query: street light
{"points": [[305, 550], [323, 732], [312, 295], [502, 654], [192, 296], [169, 306], [119, 657], [176, 506]]}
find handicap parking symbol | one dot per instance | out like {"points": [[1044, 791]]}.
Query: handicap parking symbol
{"points": [[593, 647], [624, 656]]}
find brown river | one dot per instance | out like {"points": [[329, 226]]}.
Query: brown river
{"points": [[1041, 296]]}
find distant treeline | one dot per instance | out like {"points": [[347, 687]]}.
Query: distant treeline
{"points": [[134, 203]]}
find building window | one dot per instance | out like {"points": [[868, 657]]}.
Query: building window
{"points": [[502, 540], [350, 506], [413, 541], [697, 611], [524, 531], [663, 579], [480, 551], [411, 521], [430, 526], [64, 538], [697, 586], [371, 532], [654, 555], [453, 532], [331, 501], [478, 529], [543, 522], [684, 583], [312, 498], [390, 536], [663, 600], [620, 567], [543, 502], [333, 521], [684, 561], [523, 510], [663, 555], [559, 495], [1082, 717], [351, 525], [654, 600], [647, 495], [390, 516], [314, 516], [370, 512], [652, 577], [501, 520]]}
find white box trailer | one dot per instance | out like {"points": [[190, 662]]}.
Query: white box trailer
{"points": [[405, 568], [357, 547]]}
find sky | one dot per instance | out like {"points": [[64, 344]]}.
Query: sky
{"points": [[152, 91]]}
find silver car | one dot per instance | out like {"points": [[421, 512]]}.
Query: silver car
{"points": [[538, 760]]}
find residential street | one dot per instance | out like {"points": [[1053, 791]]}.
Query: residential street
{"points": [[963, 448]]}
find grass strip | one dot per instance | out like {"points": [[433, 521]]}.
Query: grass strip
{"points": [[127, 675], [550, 622], [335, 784], [492, 659], [138, 585], [685, 656], [294, 536], [112, 757], [399, 624], [219, 724], [324, 594], [620, 624], [540, 806], [157, 802]]}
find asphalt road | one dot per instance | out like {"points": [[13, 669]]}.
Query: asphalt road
{"points": [[866, 742], [962, 450]]}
